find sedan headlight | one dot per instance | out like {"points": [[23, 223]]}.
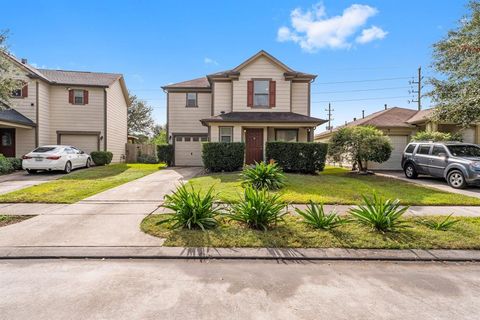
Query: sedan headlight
{"points": [[475, 165]]}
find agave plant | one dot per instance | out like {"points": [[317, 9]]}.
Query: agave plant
{"points": [[381, 215], [314, 215], [442, 225], [192, 210], [263, 176], [258, 209]]}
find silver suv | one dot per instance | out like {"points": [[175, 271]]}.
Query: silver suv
{"points": [[458, 163]]}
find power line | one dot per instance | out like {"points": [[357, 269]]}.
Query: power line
{"points": [[365, 80], [345, 100], [360, 90]]}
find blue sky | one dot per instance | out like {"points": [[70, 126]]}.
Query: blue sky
{"points": [[154, 43]]}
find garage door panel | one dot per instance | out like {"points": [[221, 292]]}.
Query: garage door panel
{"points": [[395, 162], [87, 143], [188, 151]]}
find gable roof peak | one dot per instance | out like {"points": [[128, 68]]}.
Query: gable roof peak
{"points": [[263, 53]]}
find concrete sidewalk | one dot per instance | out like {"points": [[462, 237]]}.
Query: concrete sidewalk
{"points": [[110, 218]]}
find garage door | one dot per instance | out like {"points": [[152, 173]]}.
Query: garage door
{"points": [[468, 135], [87, 143], [394, 163], [188, 150]]}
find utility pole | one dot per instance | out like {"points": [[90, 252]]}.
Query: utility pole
{"points": [[330, 118], [418, 82]]}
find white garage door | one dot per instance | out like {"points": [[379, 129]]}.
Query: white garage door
{"points": [[468, 135], [188, 150], [87, 143], [394, 163]]}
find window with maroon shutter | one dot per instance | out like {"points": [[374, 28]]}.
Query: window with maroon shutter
{"points": [[250, 93], [85, 96], [78, 96], [70, 96], [272, 93], [25, 91]]}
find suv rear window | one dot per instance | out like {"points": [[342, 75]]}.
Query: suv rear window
{"points": [[44, 149], [410, 148], [423, 149]]}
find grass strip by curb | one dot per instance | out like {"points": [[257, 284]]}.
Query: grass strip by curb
{"points": [[6, 220]]}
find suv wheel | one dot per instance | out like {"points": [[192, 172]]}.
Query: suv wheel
{"points": [[410, 171], [456, 179]]}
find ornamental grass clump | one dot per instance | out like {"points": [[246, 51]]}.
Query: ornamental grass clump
{"points": [[314, 215], [380, 215], [191, 209], [263, 176], [258, 209], [442, 225]]}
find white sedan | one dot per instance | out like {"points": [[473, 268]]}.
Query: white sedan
{"points": [[55, 157]]}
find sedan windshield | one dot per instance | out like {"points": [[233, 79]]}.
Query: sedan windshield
{"points": [[44, 149], [464, 151]]}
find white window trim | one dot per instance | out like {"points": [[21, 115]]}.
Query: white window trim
{"points": [[261, 94], [220, 135], [83, 97]]}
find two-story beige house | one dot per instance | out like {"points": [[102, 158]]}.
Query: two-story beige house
{"points": [[260, 100], [84, 109]]}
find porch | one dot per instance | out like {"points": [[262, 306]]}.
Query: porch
{"points": [[17, 134]]}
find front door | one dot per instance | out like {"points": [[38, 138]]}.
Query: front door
{"points": [[7, 142], [254, 145]]}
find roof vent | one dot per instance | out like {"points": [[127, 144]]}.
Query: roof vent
{"points": [[24, 61], [386, 106], [354, 119]]}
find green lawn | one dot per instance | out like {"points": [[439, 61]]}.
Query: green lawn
{"points": [[293, 234], [81, 184], [5, 220], [337, 186]]}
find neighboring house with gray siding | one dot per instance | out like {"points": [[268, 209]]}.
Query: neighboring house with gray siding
{"points": [[84, 109], [260, 100]]}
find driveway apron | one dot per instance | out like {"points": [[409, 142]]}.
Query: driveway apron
{"points": [[110, 218]]}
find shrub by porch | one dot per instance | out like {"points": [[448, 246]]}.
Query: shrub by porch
{"points": [[302, 157], [223, 156]]}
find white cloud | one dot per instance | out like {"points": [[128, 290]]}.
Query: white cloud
{"points": [[210, 61], [314, 30], [371, 34]]}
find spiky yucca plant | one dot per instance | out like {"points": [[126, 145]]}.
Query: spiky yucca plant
{"points": [[315, 216], [381, 215], [258, 209], [191, 209], [442, 225], [263, 176]]}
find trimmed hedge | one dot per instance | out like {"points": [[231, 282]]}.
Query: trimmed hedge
{"points": [[165, 153], [5, 165], [223, 156], [101, 158], [303, 157], [16, 163], [146, 158]]}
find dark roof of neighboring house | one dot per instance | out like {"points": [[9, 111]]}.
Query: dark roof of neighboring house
{"points": [[233, 73], [395, 117], [285, 117], [100, 79], [13, 116], [420, 116], [195, 83]]}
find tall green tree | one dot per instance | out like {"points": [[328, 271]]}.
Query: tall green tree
{"points": [[140, 121], [359, 145], [456, 94], [8, 83], [159, 134]]}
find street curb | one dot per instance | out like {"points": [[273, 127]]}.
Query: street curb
{"points": [[156, 252]]}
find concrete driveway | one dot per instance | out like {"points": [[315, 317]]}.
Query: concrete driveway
{"points": [[431, 182], [110, 218], [21, 179]]}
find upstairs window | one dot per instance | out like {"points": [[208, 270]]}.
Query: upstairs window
{"points": [[20, 92], [192, 100], [260, 93], [17, 93], [226, 134], [78, 96]]}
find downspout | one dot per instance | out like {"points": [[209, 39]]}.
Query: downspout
{"points": [[37, 115], [105, 119]]}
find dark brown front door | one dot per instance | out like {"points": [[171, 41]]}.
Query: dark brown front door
{"points": [[7, 142], [254, 145]]}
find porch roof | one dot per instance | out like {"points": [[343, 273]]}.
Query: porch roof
{"points": [[12, 116], [273, 117]]}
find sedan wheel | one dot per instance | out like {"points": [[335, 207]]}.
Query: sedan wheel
{"points": [[89, 163], [456, 180], [68, 167]]}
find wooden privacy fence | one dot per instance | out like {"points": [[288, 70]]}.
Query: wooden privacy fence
{"points": [[133, 150]]}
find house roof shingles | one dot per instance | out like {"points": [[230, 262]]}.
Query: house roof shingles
{"points": [[13, 116], [279, 117], [100, 79], [194, 83]]}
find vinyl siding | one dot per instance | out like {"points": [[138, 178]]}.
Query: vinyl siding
{"points": [[187, 120], [116, 121], [261, 68], [70, 117], [300, 97], [222, 97], [44, 134], [26, 106], [24, 141], [238, 130]]}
